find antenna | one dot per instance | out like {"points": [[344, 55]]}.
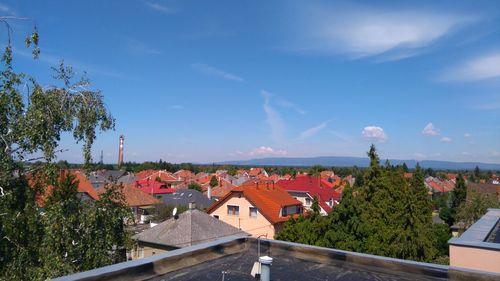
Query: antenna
{"points": [[174, 212]]}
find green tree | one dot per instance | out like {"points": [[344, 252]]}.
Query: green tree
{"points": [[32, 119], [195, 186], [475, 207], [213, 182], [387, 215]]}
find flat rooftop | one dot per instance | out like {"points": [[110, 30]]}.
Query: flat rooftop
{"points": [[235, 257], [484, 234]]}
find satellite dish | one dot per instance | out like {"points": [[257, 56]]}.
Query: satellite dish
{"points": [[174, 212]]}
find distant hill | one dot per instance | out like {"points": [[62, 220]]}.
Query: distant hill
{"points": [[360, 162]]}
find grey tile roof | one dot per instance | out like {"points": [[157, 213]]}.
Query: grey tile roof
{"points": [[190, 228], [182, 197]]}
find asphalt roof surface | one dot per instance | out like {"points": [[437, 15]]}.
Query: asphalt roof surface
{"points": [[284, 268]]}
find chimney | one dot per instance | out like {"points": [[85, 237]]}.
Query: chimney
{"points": [[120, 151], [209, 192], [192, 205], [265, 268]]}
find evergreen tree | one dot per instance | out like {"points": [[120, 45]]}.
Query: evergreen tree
{"points": [[213, 182], [459, 193]]}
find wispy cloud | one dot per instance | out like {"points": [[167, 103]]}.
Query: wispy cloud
{"points": [[430, 130], [288, 104], [445, 139], [177, 107], [210, 70], [160, 8], [374, 133], [313, 131], [360, 31], [138, 47], [467, 135], [267, 151], [273, 118], [4, 8], [479, 68]]}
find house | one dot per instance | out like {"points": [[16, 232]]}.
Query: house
{"points": [[478, 248], [140, 202], [162, 176], [259, 208], [155, 188], [86, 191], [484, 188], [102, 177], [254, 172], [306, 188], [219, 191], [183, 197], [190, 228]]}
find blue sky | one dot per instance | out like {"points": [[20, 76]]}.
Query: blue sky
{"points": [[205, 81]]}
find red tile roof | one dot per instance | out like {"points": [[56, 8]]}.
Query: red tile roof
{"points": [[315, 187], [153, 187], [266, 196]]}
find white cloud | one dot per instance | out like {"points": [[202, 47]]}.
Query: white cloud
{"points": [[496, 153], [467, 135], [362, 32], [374, 133], [445, 139], [437, 154], [209, 70], [466, 153], [273, 118], [429, 130], [288, 104], [4, 8], [313, 131], [419, 156], [480, 68], [177, 107], [160, 8], [267, 151]]}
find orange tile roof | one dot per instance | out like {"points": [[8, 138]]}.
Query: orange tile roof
{"points": [[267, 197], [84, 186], [135, 197], [222, 189], [153, 174]]}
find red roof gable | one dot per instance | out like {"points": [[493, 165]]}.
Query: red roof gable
{"points": [[266, 196], [315, 187], [153, 187]]}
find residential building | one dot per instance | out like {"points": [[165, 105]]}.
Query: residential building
{"points": [[478, 248], [306, 188], [183, 197], [141, 203], [259, 208], [155, 188], [190, 228]]}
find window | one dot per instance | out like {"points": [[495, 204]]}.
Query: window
{"points": [[290, 210], [308, 201], [253, 212], [233, 210], [216, 216]]}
